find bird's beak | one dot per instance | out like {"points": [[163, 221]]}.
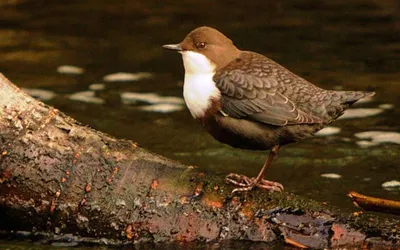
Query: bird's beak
{"points": [[174, 47]]}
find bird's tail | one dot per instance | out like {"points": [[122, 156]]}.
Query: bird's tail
{"points": [[350, 97], [342, 100]]}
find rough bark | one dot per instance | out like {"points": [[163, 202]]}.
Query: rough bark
{"points": [[59, 177]]}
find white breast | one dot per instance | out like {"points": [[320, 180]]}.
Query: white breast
{"points": [[199, 87]]}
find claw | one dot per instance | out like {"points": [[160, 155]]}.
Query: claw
{"points": [[238, 180], [246, 184]]}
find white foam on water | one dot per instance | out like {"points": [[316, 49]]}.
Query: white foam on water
{"points": [[366, 144], [331, 176], [364, 100], [131, 97], [41, 94], [152, 98], [97, 86], [328, 131], [386, 106], [391, 185], [70, 69], [162, 108], [360, 113], [172, 100], [124, 77], [380, 136], [367, 134], [86, 96]]}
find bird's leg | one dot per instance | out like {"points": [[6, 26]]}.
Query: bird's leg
{"points": [[245, 183]]}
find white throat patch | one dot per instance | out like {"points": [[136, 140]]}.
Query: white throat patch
{"points": [[199, 87]]}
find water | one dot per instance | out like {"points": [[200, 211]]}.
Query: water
{"points": [[345, 45]]}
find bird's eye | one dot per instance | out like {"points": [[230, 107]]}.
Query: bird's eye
{"points": [[201, 45]]}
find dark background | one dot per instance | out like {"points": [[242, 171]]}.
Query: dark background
{"points": [[349, 45]]}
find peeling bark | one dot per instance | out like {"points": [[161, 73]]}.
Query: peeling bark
{"points": [[59, 177]]}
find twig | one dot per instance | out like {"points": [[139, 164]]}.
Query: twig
{"points": [[375, 204], [295, 243]]}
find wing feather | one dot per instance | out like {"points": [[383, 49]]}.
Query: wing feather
{"points": [[255, 95]]}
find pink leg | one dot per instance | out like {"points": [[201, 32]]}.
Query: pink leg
{"points": [[245, 183]]}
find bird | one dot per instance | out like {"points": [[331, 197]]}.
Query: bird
{"points": [[248, 101]]}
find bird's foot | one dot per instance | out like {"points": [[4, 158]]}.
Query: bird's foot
{"points": [[246, 184]]}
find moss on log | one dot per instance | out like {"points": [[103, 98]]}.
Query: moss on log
{"points": [[59, 177]]}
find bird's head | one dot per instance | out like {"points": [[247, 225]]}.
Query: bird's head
{"points": [[205, 49]]}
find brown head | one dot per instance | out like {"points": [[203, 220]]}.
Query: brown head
{"points": [[211, 43]]}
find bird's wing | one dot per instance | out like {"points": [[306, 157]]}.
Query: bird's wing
{"points": [[254, 95]]}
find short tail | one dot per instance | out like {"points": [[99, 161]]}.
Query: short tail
{"points": [[342, 100], [350, 97]]}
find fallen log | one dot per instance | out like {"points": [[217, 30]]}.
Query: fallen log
{"points": [[59, 177]]}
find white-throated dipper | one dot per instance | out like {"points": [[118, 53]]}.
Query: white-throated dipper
{"points": [[248, 101]]}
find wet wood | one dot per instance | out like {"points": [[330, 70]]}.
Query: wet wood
{"points": [[59, 178], [295, 244], [375, 204]]}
